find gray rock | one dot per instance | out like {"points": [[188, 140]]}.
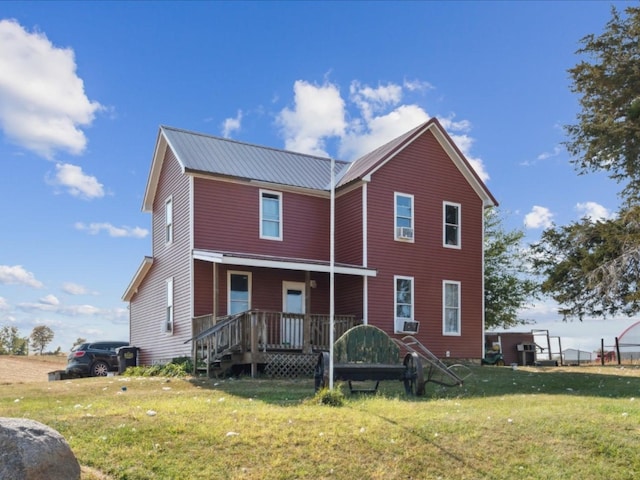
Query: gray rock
{"points": [[30, 450]]}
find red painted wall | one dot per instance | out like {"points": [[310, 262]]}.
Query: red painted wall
{"points": [[348, 228], [227, 216], [424, 170]]}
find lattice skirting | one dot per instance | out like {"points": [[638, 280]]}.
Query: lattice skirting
{"points": [[290, 365]]}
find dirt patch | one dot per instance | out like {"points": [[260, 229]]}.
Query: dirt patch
{"points": [[29, 369]]}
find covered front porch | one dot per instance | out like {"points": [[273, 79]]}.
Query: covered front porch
{"points": [[259, 338], [254, 310]]}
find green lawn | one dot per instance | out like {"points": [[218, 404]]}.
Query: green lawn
{"points": [[530, 423]]}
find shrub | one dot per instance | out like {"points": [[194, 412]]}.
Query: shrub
{"points": [[178, 367], [333, 398]]}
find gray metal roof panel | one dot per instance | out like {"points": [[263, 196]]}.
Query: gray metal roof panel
{"points": [[209, 154]]}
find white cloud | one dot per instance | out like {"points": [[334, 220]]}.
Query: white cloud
{"points": [[318, 113], [77, 182], [50, 300], [557, 150], [593, 211], [75, 310], [74, 289], [546, 155], [539, 217], [417, 85], [17, 275], [57, 308], [380, 130], [372, 100], [95, 228], [458, 132], [4, 305], [231, 125], [42, 100]]}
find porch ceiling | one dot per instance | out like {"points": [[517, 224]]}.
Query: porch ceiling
{"points": [[230, 258]]}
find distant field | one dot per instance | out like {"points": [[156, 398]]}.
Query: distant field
{"points": [[33, 368]]}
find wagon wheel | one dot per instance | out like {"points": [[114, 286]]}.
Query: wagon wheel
{"points": [[322, 372], [413, 375]]}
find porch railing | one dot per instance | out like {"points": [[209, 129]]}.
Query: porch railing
{"points": [[262, 331]]}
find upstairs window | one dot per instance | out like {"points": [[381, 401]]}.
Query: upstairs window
{"points": [[168, 323], [403, 302], [451, 227], [403, 217], [168, 220], [451, 308], [270, 215]]}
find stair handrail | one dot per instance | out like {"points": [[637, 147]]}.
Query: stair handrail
{"points": [[221, 322]]}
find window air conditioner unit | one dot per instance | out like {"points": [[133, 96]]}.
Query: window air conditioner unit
{"points": [[410, 327], [404, 233]]}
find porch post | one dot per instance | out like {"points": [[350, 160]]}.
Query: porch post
{"points": [[215, 291], [254, 343], [306, 326]]}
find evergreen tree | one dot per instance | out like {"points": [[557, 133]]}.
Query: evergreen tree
{"points": [[508, 287]]}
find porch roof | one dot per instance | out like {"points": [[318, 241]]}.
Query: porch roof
{"points": [[286, 263]]}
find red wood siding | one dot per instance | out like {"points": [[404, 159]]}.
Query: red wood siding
{"points": [[202, 288], [348, 228], [424, 170], [148, 306], [348, 295], [227, 216], [266, 288]]}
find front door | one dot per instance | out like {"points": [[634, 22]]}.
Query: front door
{"points": [[293, 308]]}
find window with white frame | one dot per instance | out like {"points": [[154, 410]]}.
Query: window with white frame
{"points": [[168, 220], [168, 323], [239, 287], [403, 217], [270, 215], [403, 301], [451, 308], [451, 225]]}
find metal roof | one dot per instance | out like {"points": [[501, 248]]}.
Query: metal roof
{"points": [[220, 156]]}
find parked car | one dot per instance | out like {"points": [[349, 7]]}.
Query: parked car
{"points": [[94, 359]]}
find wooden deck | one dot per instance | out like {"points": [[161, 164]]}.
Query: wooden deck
{"points": [[253, 337]]}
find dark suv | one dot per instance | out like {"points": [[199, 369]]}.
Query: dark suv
{"points": [[94, 359]]}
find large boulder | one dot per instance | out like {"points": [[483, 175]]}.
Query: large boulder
{"points": [[32, 451]]}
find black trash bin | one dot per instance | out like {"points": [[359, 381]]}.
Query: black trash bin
{"points": [[127, 357]]}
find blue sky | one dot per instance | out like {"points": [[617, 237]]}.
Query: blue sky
{"points": [[84, 87]]}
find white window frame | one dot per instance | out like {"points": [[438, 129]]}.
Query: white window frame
{"points": [[396, 228], [458, 206], [399, 321], [168, 220], [262, 219], [167, 326], [445, 308], [249, 282]]}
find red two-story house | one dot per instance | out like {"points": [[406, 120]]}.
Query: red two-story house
{"points": [[242, 242]]}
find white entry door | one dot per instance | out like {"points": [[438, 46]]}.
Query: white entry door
{"points": [[293, 307]]}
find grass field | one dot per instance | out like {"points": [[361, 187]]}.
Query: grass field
{"points": [[542, 423]]}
